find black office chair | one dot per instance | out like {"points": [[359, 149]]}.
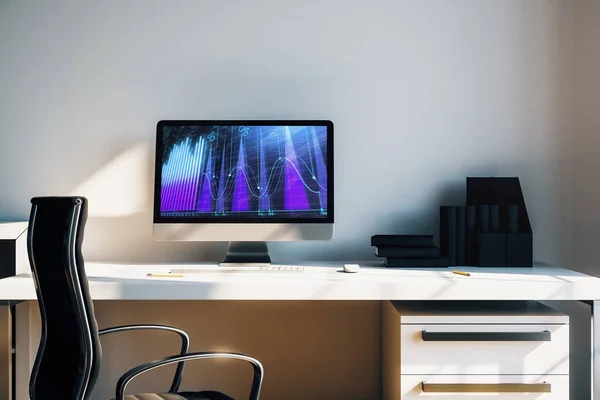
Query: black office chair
{"points": [[69, 356]]}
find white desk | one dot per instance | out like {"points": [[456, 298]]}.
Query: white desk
{"points": [[110, 281]]}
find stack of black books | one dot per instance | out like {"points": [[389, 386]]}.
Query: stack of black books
{"points": [[408, 251], [491, 230]]}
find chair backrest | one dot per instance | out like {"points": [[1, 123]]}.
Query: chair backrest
{"points": [[69, 356]]}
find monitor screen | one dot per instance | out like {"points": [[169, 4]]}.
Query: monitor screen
{"points": [[244, 171]]}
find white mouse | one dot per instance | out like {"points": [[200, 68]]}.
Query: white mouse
{"points": [[351, 268]]}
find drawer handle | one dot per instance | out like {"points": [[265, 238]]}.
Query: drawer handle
{"points": [[485, 387], [543, 336]]}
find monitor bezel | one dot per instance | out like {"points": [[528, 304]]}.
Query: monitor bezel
{"points": [[158, 219]]}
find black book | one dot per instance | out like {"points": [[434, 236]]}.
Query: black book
{"points": [[416, 262], [492, 250], [448, 232], [483, 218], [461, 241], [471, 235], [519, 249], [408, 252], [402, 240], [513, 218], [495, 218]]}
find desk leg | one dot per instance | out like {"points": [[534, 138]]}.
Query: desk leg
{"points": [[26, 340], [595, 350], [6, 346]]}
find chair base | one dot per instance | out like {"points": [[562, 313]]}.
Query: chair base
{"points": [[204, 395]]}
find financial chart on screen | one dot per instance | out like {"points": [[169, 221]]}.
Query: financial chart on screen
{"points": [[244, 172]]}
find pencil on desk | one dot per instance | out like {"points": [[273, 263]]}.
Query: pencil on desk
{"points": [[461, 273], [164, 275]]}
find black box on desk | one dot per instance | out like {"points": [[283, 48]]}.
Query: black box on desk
{"points": [[13, 249], [492, 250], [519, 249], [503, 223]]}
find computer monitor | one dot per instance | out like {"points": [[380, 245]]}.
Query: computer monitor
{"points": [[244, 182]]}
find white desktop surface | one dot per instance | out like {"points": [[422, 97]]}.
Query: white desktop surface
{"points": [[324, 281]]}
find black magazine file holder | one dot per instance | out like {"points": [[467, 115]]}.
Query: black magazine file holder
{"points": [[507, 238]]}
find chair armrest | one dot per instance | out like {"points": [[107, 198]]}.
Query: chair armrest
{"points": [[134, 372], [185, 345]]}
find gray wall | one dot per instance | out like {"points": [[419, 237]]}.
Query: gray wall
{"points": [[587, 135], [586, 165], [423, 93]]}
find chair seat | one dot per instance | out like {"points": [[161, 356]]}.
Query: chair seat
{"points": [[205, 395]]}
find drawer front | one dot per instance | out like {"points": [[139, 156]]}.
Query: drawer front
{"points": [[484, 349], [484, 387]]}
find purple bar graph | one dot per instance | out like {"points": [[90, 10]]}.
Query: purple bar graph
{"points": [[205, 203], [264, 203], [321, 169], [222, 181], [240, 192], [295, 193]]}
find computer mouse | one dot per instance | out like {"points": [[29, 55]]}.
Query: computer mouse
{"points": [[351, 268]]}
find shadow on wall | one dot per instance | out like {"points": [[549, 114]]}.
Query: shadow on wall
{"points": [[120, 193], [119, 226]]}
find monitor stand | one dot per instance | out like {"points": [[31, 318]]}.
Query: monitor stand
{"points": [[247, 254]]}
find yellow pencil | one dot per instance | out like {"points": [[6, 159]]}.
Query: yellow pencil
{"points": [[461, 273], [165, 275]]}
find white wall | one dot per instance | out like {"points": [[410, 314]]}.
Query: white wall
{"points": [[423, 93], [587, 135], [586, 102]]}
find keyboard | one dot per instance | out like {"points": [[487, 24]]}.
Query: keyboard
{"points": [[266, 268]]}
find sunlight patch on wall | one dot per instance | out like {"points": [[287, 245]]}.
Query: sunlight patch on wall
{"points": [[123, 186]]}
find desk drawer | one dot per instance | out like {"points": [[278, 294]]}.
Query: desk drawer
{"points": [[484, 387], [484, 349]]}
